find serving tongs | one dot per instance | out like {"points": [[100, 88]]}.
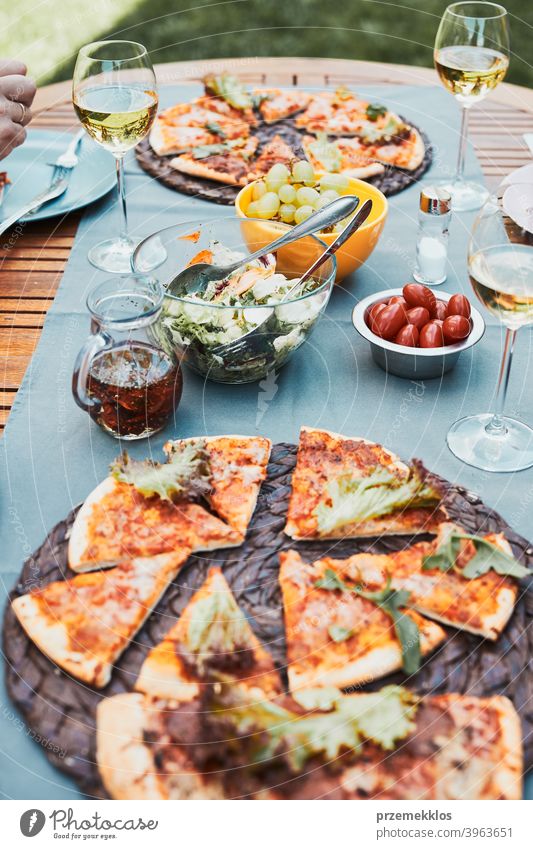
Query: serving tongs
{"points": [[247, 343], [195, 279]]}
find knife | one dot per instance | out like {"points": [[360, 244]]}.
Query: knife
{"points": [[51, 193]]}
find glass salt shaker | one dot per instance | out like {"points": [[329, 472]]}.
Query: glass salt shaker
{"points": [[432, 242], [126, 377]]}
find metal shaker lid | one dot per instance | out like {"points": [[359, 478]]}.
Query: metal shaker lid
{"points": [[435, 200]]}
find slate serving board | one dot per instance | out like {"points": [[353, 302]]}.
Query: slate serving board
{"points": [[60, 711], [390, 182]]}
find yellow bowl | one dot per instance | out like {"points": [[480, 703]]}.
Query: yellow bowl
{"points": [[353, 253]]}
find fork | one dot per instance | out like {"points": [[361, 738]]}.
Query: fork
{"points": [[63, 165]]}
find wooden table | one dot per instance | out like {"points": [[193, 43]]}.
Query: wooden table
{"points": [[31, 268]]}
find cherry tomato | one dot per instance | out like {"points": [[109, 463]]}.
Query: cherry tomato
{"points": [[431, 335], [455, 328], [418, 316], [389, 321], [374, 312], [397, 299], [417, 295], [408, 335], [440, 310], [458, 305]]}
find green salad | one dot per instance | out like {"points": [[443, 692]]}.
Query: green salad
{"points": [[230, 308]]}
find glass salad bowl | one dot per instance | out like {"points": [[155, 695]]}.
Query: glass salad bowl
{"points": [[200, 329]]}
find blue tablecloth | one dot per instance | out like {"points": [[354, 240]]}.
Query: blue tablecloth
{"points": [[52, 455]]}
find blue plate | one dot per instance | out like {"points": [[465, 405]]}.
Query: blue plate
{"points": [[29, 171]]}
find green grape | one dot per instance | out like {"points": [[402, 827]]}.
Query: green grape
{"points": [[336, 182], [258, 190], [252, 211], [330, 194], [321, 202], [302, 213], [287, 193], [303, 172], [306, 196], [279, 172], [277, 177], [268, 205], [287, 212]]}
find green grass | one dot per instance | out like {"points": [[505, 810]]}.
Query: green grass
{"points": [[48, 33]]}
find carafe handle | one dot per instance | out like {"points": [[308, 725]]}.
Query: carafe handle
{"points": [[96, 343]]}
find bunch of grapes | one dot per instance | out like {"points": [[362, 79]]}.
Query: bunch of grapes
{"points": [[292, 196]]}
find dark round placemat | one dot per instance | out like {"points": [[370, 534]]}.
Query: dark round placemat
{"points": [[60, 711], [390, 182]]}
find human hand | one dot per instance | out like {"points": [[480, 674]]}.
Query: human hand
{"points": [[16, 96]]}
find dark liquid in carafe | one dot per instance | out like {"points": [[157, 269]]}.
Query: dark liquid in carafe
{"points": [[137, 386]]}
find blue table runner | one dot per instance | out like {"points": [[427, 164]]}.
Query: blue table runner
{"points": [[52, 455]]}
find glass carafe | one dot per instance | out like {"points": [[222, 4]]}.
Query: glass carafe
{"points": [[123, 377]]}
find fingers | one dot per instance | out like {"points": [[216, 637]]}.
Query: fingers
{"points": [[11, 136], [18, 88], [14, 110], [12, 66]]}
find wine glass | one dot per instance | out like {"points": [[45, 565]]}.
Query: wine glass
{"points": [[114, 95], [500, 265], [471, 57]]}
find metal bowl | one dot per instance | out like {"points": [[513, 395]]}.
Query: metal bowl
{"points": [[420, 363]]}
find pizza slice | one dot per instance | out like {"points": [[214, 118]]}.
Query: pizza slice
{"points": [[404, 150], [225, 162], [211, 641], [85, 623], [238, 466], [166, 139], [337, 638], [189, 125], [481, 605], [274, 151], [383, 745], [350, 487], [336, 112], [228, 89], [276, 104], [346, 156], [117, 521]]}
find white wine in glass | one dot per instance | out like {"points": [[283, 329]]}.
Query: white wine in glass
{"points": [[501, 273], [114, 95], [471, 57]]}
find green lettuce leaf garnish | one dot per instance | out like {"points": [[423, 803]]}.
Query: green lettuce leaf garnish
{"points": [[230, 89], [327, 153], [391, 128], [271, 730], [215, 128], [185, 475], [487, 556], [390, 601], [217, 627], [375, 111], [202, 151], [376, 494]]}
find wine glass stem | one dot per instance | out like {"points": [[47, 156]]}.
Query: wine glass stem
{"points": [[121, 186], [496, 426], [459, 175]]}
